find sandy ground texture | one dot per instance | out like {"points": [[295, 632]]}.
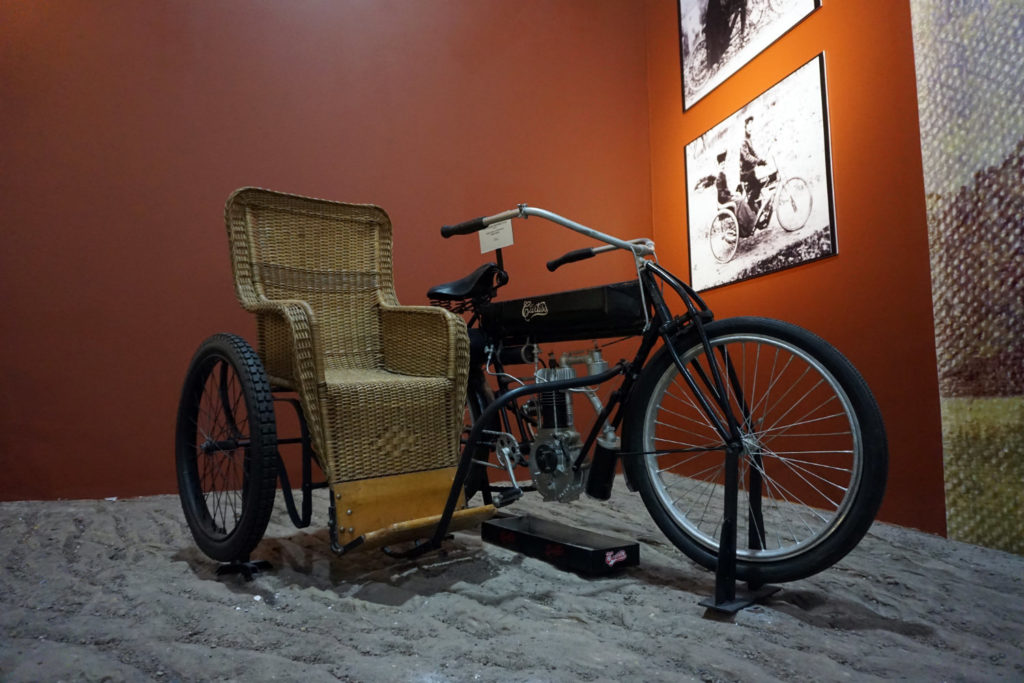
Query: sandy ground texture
{"points": [[116, 590]]}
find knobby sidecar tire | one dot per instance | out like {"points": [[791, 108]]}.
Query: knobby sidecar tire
{"points": [[813, 433], [226, 448]]}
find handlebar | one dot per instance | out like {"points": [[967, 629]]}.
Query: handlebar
{"points": [[463, 228], [570, 257], [638, 247], [478, 224]]}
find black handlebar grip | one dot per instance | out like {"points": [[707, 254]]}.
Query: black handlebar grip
{"points": [[575, 255], [463, 228]]}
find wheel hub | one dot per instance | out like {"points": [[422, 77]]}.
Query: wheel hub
{"points": [[751, 445]]}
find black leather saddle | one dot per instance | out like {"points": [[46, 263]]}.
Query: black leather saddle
{"points": [[480, 282]]}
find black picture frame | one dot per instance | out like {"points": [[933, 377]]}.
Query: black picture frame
{"points": [[718, 37], [791, 218]]}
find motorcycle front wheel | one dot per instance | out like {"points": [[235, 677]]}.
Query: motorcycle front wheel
{"points": [[814, 458]]}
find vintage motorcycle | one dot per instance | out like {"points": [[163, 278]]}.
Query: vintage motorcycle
{"points": [[756, 407], [806, 430]]}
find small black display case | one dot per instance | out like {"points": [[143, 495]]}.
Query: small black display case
{"points": [[564, 546]]}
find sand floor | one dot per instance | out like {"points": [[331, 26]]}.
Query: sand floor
{"points": [[116, 590]]}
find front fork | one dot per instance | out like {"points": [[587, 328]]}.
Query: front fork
{"points": [[729, 427]]}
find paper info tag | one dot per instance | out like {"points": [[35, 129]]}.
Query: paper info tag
{"points": [[496, 236]]}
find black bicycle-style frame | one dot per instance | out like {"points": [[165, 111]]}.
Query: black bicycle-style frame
{"points": [[661, 325]]}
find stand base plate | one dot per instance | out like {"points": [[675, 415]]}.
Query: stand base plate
{"points": [[741, 600], [247, 568]]}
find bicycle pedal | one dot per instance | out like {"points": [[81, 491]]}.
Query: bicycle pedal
{"points": [[507, 496]]}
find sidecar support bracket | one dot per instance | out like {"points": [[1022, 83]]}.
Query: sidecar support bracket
{"points": [[303, 519]]}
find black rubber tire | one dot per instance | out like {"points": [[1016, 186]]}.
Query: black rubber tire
{"points": [[813, 427], [226, 448]]}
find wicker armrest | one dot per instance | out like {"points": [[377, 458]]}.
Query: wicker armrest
{"points": [[289, 338], [424, 341], [291, 350]]}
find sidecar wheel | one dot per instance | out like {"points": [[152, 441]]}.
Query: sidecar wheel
{"points": [[226, 448]]}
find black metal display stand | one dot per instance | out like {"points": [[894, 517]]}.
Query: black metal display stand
{"points": [[246, 568], [726, 599]]}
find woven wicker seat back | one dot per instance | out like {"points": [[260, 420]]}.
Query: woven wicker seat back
{"points": [[382, 385]]}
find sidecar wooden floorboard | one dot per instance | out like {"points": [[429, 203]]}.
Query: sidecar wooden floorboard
{"points": [[368, 508]]}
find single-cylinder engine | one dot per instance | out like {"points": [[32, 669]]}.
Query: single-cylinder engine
{"points": [[557, 443]]}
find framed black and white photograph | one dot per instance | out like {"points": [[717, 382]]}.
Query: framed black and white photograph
{"points": [[717, 37], [759, 185]]}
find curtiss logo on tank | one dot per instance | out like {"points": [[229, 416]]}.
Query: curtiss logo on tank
{"points": [[534, 309]]}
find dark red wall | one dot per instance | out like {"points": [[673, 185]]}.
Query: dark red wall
{"points": [[124, 126]]}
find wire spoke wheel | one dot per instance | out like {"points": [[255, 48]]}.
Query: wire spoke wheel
{"points": [[226, 448], [813, 461]]}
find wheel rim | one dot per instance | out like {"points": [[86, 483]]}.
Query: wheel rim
{"points": [[800, 436], [219, 445], [723, 237], [793, 204]]}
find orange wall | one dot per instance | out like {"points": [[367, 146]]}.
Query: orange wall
{"points": [[872, 300], [124, 126]]}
